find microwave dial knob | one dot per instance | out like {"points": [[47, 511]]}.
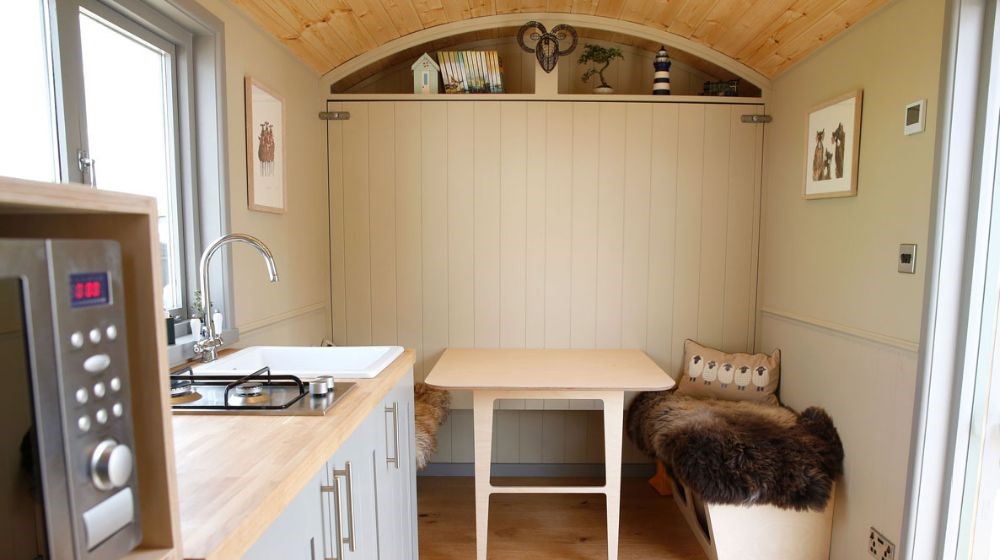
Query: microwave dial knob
{"points": [[110, 465]]}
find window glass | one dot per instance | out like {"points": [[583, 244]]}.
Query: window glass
{"points": [[28, 142], [128, 86]]}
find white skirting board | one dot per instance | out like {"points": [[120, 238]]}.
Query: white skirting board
{"points": [[728, 532]]}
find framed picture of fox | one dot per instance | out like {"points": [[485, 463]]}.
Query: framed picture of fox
{"points": [[833, 131]]}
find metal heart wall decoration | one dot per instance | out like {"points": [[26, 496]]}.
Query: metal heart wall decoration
{"points": [[546, 47]]}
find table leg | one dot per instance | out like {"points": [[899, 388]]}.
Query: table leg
{"points": [[482, 410], [614, 412]]}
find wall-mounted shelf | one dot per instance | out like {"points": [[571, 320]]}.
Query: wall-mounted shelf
{"points": [[346, 97]]}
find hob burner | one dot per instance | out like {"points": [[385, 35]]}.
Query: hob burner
{"points": [[182, 391], [251, 392], [251, 389]]}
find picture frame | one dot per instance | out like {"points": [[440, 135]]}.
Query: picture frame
{"points": [[832, 147], [265, 137]]}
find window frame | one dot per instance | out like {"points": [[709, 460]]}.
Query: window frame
{"points": [[148, 24]]}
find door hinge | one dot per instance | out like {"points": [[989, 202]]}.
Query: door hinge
{"points": [[756, 119], [335, 115]]}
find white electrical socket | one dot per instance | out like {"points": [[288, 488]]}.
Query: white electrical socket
{"points": [[880, 547]]}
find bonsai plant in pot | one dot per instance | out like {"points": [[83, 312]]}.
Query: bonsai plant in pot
{"points": [[599, 58]]}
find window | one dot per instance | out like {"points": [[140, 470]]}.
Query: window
{"points": [[28, 148], [104, 97], [129, 87]]}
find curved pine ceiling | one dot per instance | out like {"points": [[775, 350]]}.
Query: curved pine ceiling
{"points": [[766, 35]]}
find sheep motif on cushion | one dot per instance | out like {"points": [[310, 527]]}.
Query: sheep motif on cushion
{"points": [[743, 375], [711, 372], [761, 378], [695, 366], [726, 373]]}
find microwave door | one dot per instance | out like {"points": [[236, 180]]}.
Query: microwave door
{"points": [[35, 509], [22, 513]]}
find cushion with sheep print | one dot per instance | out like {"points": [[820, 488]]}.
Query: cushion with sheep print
{"points": [[711, 373]]}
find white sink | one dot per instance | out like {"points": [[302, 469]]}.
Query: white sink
{"points": [[351, 362]]}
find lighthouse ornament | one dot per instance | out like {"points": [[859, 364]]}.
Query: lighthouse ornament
{"points": [[661, 73]]}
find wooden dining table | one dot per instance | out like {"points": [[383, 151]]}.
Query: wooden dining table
{"points": [[492, 374]]}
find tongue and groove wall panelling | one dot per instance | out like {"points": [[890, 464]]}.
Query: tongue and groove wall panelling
{"points": [[662, 231], [744, 200], [409, 226], [338, 263], [434, 228], [543, 224], [686, 268], [382, 131], [357, 225], [714, 223], [583, 289]]}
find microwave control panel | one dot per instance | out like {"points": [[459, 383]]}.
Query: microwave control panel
{"points": [[88, 307]]}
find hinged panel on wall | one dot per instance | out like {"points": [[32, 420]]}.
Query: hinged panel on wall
{"points": [[524, 223]]}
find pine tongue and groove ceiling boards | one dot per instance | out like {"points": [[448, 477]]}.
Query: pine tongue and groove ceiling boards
{"points": [[766, 35]]}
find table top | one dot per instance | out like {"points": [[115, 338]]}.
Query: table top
{"points": [[548, 369]]}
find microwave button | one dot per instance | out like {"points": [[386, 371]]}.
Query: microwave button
{"points": [[110, 465], [108, 517], [76, 339], [101, 416], [83, 423], [99, 390], [82, 396], [97, 363], [116, 384], [95, 335], [111, 332], [117, 410]]}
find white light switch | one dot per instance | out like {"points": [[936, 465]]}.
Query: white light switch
{"points": [[907, 263]]}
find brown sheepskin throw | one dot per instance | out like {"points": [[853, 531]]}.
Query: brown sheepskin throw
{"points": [[740, 453], [430, 409]]}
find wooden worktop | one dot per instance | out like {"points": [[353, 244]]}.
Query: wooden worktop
{"points": [[236, 474]]}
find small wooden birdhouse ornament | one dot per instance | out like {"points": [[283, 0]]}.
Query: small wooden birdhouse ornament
{"points": [[425, 74]]}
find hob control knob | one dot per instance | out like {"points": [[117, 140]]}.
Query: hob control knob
{"points": [[110, 465]]}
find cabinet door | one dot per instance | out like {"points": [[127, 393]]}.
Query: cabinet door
{"points": [[298, 533], [395, 474], [352, 477]]}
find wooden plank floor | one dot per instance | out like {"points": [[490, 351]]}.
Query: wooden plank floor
{"points": [[536, 527]]}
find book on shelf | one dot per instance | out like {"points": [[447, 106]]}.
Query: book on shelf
{"points": [[471, 71]]}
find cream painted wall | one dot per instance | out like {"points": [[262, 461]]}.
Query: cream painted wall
{"points": [[295, 310], [835, 259], [848, 324]]}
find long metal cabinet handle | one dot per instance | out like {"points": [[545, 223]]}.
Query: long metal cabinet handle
{"points": [[394, 410], [346, 473], [338, 542]]}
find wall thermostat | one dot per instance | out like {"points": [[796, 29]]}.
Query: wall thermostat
{"points": [[913, 121]]}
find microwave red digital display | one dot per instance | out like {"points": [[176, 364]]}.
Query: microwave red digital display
{"points": [[89, 289]]}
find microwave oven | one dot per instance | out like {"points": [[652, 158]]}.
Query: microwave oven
{"points": [[69, 483]]}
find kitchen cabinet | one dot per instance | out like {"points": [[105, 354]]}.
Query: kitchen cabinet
{"points": [[362, 504], [299, 531], [396, 473]]}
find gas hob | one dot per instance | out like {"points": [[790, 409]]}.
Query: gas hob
{"points": [[262, 392]]}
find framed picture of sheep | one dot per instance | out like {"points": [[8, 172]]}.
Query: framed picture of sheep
{"points": [[265, 127], [833, 133]]}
